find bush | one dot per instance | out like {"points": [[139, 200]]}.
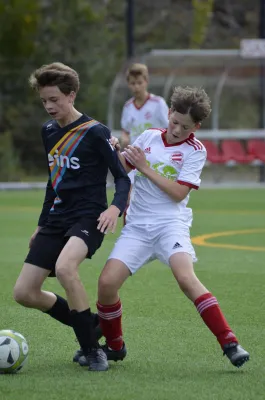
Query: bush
{"points": [[10, 169]]}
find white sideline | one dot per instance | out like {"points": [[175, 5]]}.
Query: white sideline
{"points": [[205, 185]]}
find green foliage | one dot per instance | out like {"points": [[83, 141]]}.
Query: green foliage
{"points": [[19, 20], [202, 11], [89, 35], [10, 169]]}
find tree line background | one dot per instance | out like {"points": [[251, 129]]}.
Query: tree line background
{"points": [[90, 37]]}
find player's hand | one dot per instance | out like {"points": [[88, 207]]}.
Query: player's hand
{"points": [[136, 157], [108, 220], [115, 143], [34, 235]]}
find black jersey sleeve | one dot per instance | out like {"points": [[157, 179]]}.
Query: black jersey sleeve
{"points": [[121, 180], [49, 194]]}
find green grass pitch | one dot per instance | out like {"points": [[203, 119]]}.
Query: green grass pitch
{"points": [[171, 354]]}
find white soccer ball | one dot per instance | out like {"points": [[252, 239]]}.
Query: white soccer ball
{"points": [[13, 351]]}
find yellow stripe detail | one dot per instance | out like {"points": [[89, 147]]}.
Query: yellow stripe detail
{"points": [[68, 134]]}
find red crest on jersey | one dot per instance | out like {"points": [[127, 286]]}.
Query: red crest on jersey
{"points": [[148, 115], [176, 158], [147, 150]]}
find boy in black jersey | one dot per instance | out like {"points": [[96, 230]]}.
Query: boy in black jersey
{"points": [[75, 215]]}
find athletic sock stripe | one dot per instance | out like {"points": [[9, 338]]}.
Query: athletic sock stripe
{"points": [[111, 315], [208, 305], [202, 303]]}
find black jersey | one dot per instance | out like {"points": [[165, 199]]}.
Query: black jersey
{"points": [[79, 156]]}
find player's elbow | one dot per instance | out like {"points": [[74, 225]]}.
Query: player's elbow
{"points": [[180, 192]]}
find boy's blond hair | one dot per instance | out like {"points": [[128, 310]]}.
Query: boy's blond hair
{"points": [[136, 70]]}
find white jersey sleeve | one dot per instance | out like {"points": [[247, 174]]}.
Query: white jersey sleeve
{"points": [[192, 168], [162, 113]]}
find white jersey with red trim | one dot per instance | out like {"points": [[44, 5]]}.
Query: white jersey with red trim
{"points": [[182, 162], [153, 113]]}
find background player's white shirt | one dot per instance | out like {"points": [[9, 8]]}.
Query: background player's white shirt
{"points": [[152, 114], [182, 162], [135, 120]]}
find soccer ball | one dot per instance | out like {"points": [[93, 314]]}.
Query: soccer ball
{"points": [[13, 351]]}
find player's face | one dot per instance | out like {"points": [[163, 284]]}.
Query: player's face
{"points": [[137, 85], [56, 103], [180, 127]]}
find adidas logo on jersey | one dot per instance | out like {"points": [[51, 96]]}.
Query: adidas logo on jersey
{"points": [[176, 245], [63, 161], [147, 150]]}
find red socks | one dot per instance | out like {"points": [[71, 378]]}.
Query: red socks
{"points": [[110, 323], [207, 306], [209, 309]]}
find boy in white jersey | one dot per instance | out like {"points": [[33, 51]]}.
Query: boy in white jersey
{"points": [[169, 163], [143, 111]]}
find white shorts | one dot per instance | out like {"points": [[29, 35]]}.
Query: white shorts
{"points": [[140, 244]]}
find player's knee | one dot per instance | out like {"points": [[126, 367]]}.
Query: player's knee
{"points": [[66, 273], [24, 296], [106, 286]]}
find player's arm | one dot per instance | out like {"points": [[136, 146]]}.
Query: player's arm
{"points": [[188, 179], [108, 219], [125, 139], [115, 143]]}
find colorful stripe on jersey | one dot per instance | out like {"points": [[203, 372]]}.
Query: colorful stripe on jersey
{"points": [[57, 200], [66, 147]]}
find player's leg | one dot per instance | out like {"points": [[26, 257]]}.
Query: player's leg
{"points": [[27, 290], [39, 264], [179, 254], [208, 307], [83, 242], [131, 251]]}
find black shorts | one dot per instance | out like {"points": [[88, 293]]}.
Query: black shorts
{"points": [[50, 241]]}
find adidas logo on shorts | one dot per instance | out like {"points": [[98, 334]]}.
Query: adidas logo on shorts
{"points": [[176, 245]]}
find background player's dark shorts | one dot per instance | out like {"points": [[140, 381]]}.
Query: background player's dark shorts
{"points": [[50, 241]]}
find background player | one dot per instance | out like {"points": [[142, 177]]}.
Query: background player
{"points": [[143, 111], [169, 164], [75, 214]]}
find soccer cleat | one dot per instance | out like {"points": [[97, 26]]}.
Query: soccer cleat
{"points": [[236, 354], [79, 353], [96, 360], [112, 355], [115, 355]]}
